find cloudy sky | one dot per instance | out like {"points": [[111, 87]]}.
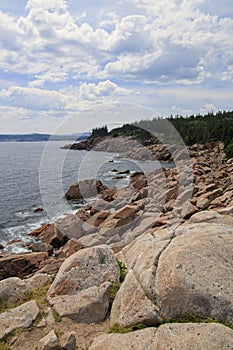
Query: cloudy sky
{"points": [[60, 58]]}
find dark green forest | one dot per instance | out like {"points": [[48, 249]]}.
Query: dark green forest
{"points": [[193, 129], [178, 129]]}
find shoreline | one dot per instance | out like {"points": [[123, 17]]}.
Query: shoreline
{"points": [[159, 149], [162, 241]]}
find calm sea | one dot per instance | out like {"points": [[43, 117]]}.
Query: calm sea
{"points": [[37, 174]]}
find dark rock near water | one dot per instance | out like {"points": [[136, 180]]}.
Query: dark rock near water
{"points": [[38, 210], [85, 189], [21, 265], [50, 234]]}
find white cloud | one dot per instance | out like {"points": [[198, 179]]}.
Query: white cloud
{"points": [[122, 51], [93, 92], [32, 98]]}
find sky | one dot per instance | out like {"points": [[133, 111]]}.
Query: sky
{"points": [[69, 65]]}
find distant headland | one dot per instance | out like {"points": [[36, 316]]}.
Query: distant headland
{"points": [[36, 137]]}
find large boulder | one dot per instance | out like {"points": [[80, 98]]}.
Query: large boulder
{"points": [[195, 273], [132, 306], [80, 288], [85, 189], [20, 317], [50, 234], [87, 306], [178, 272], [135, 301], [170, 336]]}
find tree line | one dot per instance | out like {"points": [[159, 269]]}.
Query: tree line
{"points": [[193, 129]]}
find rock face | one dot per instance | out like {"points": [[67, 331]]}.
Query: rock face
{"points": [[20, 317], [80, 289], [177, 273], [135, 301], [170, 336], [195, 273]]}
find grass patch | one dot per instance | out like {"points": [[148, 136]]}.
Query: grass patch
{"points": [[38, 294], [6, 305], [113, 291], [116, 328], [4, 346], [193, 319], [56, 316], [123, 270], [6, 341]]}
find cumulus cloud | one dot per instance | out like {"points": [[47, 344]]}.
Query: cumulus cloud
{"points": [[155, 45], [111, 52], [93, 91]]}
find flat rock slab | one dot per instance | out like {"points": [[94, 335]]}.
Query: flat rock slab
{"points": [[19, 317], [211, 216], [170, 336]]}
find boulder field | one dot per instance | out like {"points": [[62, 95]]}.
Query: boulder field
{"points": [[149, 266]]}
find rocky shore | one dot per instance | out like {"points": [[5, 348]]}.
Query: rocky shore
{"points": [[148, 266]]}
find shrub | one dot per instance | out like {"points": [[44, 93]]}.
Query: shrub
{"points": [[123, 270], [229, 151]]}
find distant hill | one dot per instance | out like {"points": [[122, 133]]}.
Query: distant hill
{"points": [[42, 137]]}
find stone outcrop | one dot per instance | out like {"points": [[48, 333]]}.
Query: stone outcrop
{"points": [[135, 302], [171, 336], [20, 317], [21, 265], [80, 289], [187, 271], [172, 228], [194, 274]]}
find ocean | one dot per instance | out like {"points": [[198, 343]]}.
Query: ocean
{"points": [[37, 174]]}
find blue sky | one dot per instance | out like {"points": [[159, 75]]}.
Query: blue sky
{"points": [[60, 59]]}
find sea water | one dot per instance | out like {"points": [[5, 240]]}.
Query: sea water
{"points": [[37, 174]]}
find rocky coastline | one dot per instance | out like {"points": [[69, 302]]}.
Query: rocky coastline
{"points": [[148, 266]]}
